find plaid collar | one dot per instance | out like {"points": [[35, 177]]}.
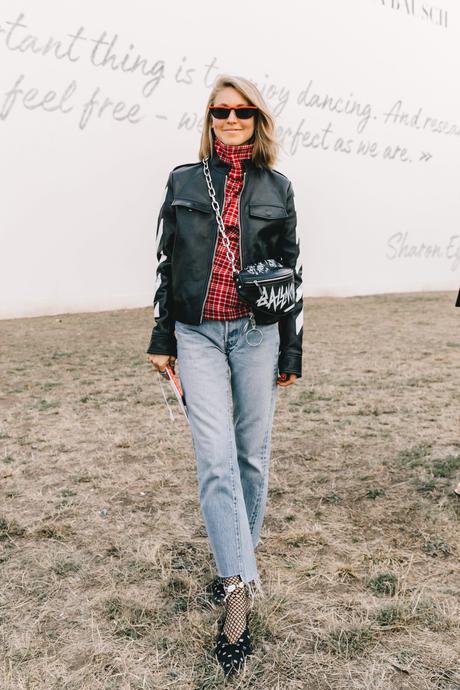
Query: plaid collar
{"points": [[232, 154]]}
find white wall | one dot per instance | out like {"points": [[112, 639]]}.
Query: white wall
{"points": [[80, 192]]}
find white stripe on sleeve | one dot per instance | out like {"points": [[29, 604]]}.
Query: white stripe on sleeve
{"points": [[299, 322]]}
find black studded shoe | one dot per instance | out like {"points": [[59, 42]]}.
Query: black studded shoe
{"points": [[231, 655], [217, 591]]}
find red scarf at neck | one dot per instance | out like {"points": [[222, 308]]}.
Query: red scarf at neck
{"points": [[233, 154]]}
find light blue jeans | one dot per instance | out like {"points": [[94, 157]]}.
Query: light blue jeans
{"points": [[230, 392]]}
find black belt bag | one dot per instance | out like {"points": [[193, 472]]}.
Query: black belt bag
{"points": [[266, 286]]}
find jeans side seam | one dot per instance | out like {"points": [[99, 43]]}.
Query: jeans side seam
{"points": [[232, 474], [264, 459], [264, 463]]}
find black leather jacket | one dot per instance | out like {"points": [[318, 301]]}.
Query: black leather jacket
{"points": [[187, 236]]}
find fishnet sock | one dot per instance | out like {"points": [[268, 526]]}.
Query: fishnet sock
{"points": [[237, 607]]}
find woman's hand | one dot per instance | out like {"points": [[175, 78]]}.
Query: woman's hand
{"points": [[160, 362], [286, 379]]}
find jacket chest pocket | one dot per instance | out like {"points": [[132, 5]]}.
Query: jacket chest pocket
{"points": [[267, 211], [267, 221], [189, 206], [193, 221]]}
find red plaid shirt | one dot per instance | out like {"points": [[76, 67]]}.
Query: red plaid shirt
{"points": [[223, 302]]}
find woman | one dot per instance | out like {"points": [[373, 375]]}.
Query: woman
{"points": [[230, 367]]}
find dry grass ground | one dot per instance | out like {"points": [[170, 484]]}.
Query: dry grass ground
{"points": [[105, 562]]}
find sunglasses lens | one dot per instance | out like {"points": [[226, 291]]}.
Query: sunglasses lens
{"points": [[245, 113], [241, 113], [220, 113]]}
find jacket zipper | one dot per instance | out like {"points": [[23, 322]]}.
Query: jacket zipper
{"points": [[239, 222], [252, 318], [213, 256]]}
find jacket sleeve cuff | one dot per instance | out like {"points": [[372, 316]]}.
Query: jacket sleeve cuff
{"points": [[290, 363], [163, 345]]}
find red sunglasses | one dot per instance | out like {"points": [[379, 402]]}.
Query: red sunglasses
{"points": [[242, 112]]}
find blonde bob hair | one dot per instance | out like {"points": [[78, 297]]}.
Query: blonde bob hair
{"points": [[266, 147]]}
